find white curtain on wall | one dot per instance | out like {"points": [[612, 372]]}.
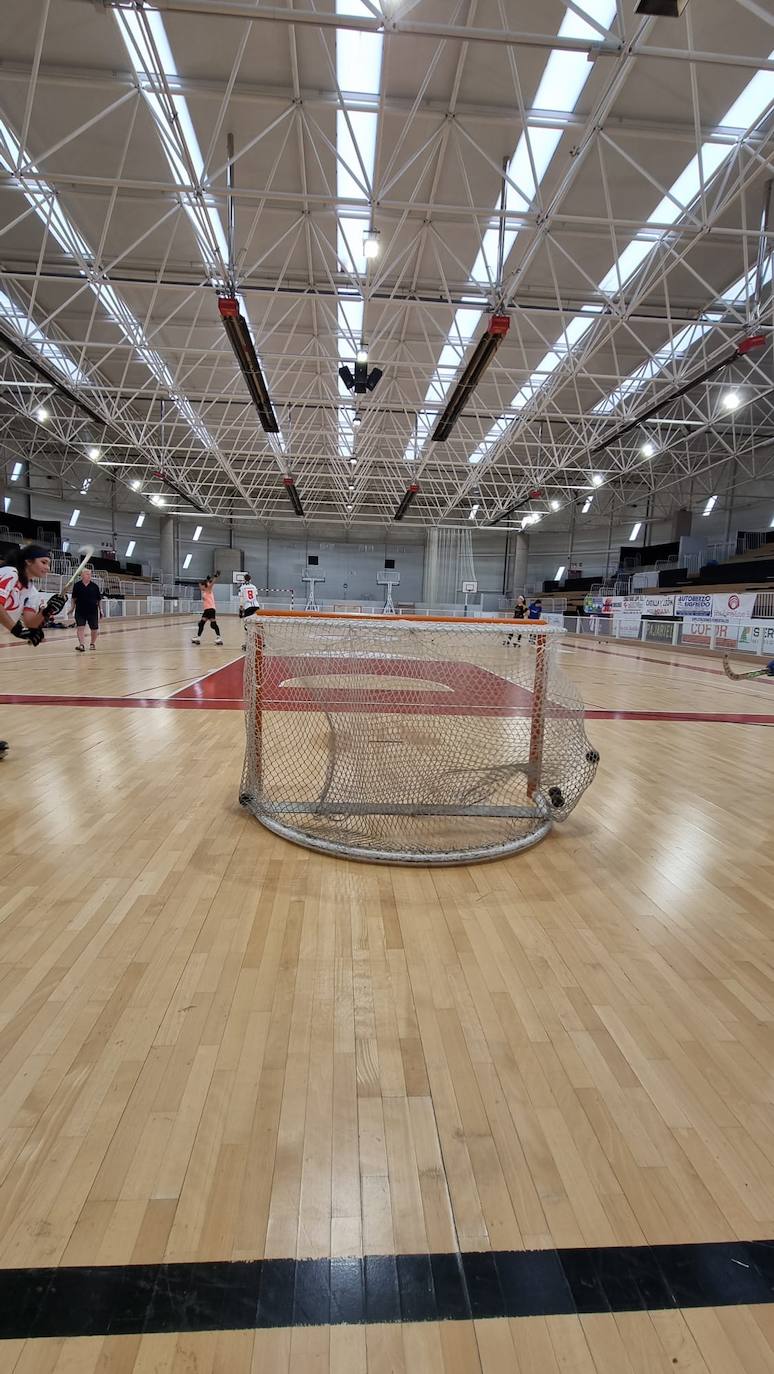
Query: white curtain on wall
{"points": [[449, 563]]}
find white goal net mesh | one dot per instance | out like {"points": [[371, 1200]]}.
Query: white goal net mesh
{"points": [[410, 739]]}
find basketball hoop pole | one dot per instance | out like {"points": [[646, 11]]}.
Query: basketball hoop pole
{"points": [[311, 579], [467, 589], [388, 578]]}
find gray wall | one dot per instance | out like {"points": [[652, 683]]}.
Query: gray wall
{"points": [[277, 558]]}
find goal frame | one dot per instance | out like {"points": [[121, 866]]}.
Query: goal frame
{"points": [[539, 628]]}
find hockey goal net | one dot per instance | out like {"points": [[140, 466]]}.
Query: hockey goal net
{"points": [[410, 739]]}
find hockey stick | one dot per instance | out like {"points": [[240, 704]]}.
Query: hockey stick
{"points": [[768, 671], [86, 551]]}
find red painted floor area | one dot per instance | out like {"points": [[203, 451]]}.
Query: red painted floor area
{"points": [[462, 687], [223, 685]]}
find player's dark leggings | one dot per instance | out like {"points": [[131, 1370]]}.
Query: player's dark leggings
{"points": [[208, 618]]}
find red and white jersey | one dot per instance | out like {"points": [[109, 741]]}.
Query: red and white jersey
{"points": [[12, 593], [14, 598], [248, 597]]}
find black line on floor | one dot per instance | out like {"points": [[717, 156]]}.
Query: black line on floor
{"points": [[110, 1300]]}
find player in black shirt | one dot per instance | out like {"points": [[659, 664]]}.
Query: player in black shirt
{"points": [[86, 598]]}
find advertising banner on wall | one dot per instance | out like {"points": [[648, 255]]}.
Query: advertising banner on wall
{"points": [[661, 634], [694, 604], [657, 605], [733, 605], [631, 605], [757, 638], [726, 634], [627, 626], [697, 631]]}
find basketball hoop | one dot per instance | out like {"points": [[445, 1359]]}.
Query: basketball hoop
{"points": [[389, 578]]}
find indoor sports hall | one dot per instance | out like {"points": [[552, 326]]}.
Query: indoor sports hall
{"points": [[386, 687]]}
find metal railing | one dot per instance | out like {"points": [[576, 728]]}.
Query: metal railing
{"points": [[755, 539]]}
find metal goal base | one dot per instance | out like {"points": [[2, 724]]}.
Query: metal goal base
{"points": [[396, 856]]}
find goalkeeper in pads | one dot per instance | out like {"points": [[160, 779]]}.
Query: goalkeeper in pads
{"points": [[23, 609]]}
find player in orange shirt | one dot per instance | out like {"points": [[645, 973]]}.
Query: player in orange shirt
{"points": [[207, 589]]}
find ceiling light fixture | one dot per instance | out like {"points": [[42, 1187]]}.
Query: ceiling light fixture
{"points": [[371, 246], [94, 454], [648, 449], [41, 414], [732, 400], [597, 479]]}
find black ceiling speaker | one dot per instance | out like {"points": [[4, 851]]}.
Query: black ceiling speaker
{"points": [[363, 380], [662, 9]]}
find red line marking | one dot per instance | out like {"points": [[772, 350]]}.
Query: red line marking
{"points": [[178, 703], [143, 703]]}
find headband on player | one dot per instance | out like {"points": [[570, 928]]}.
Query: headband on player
{"points": [[30, 552]]}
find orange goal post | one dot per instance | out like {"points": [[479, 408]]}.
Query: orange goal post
{"points": [[410, 739]]}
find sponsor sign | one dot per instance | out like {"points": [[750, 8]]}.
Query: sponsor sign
{"points": [[697, 631], [627, 626], [631, 605], [657, 605], [757, 638], [727, 634], [663, 632], [695, 604], [733, 605]]}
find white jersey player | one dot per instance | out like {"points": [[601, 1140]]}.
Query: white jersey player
{"points": [[248, 600], [23, 609]]}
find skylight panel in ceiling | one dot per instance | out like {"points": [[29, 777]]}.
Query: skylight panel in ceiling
{"points": [[152, 58], [358, 73], [28, 332], [753, 102], [560, 88]]}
